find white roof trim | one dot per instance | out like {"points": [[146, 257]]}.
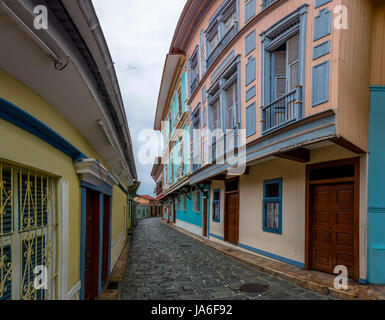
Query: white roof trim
{"points": [[94, 173]]}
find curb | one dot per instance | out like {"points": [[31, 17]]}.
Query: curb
{"points": [[303, 278]]}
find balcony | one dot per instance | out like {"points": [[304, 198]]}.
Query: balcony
{"points": [[222, 44], [282, 111]]}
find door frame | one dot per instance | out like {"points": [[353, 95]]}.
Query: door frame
{"points": [[205, 201], [225, 210], [356, 182]]}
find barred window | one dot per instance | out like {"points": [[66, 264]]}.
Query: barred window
{"points": [[272, 206], [27, 232]]}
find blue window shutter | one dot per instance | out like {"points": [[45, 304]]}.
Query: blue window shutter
{"points": [[189, 76], [250, 10], [204, 116], [321, 50], [322, 24], [250, 43], [7, 256], [250, 71], [183, 89], [202, 48], [320, 84], [251, 93], [251, 120], [319, 3]]}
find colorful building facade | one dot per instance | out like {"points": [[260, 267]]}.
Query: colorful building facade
{"points": [[66, 161], [283, 90]]}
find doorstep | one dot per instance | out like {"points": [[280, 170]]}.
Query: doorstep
{"points": [[320, 282], [110, 291]]}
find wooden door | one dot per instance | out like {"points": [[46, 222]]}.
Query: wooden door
{"points": [[204, 233], [333, 229], [232, 218], [92, 245], [106, 236], [174, 213]]}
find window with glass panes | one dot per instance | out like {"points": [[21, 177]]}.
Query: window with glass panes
{"points": [[216, 205], [196, 201], [272, 206]]}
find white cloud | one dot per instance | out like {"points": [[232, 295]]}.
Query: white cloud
{"points": [[139, 35]]}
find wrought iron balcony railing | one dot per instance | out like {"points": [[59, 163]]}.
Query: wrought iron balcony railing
{"points": [[285, 109], [222, 44]]}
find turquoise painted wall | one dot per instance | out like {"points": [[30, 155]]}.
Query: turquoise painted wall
{"points": [[142, 211], [189, 215], [376, 187]]}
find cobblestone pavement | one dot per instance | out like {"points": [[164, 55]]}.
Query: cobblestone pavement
{"points": [[164, 264]]}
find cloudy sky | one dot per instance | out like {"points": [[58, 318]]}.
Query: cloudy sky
{"points": [[139, 35]]}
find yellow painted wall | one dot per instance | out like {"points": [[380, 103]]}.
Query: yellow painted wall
{"points": [[19, 146]]}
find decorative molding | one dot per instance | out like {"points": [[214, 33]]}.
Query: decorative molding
{"points": [[93, 172], [225, 62], [63, 209]]}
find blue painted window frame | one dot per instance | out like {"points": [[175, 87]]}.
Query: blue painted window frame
{"points": [[272, 199], [218, 192], [251, 122], [321, 50]]}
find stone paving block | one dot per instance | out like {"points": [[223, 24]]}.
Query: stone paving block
{"points": [[165, 270]]}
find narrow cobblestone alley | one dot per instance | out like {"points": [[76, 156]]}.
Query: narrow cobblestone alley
{"points": [[167, 265]]}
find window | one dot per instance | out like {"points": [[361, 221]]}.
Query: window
{"points": [[272, 206], [183, 204], [28, 225], [231, 101], [283, 71], [177, 204], [196, 201], [222, 29], [216, 205], [194, 71]]}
